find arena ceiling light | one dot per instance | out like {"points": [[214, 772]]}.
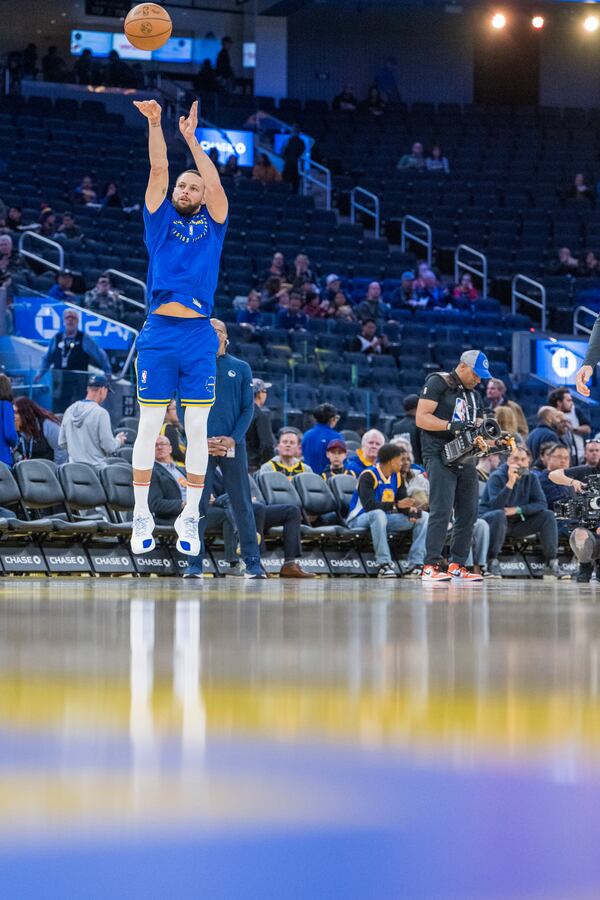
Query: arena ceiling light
{"points": [[591, 23], [498, 20], [537, 22]]}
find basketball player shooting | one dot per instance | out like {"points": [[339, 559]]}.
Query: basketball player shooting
{"points": [[176, 349]]}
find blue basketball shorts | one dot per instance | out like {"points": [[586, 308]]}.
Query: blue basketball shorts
{"points": [[176, 357]]}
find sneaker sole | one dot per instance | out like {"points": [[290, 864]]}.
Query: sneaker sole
{"points": [[426, 580], [142, 550]]}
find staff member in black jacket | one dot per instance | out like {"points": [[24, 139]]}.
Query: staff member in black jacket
{"points": [[259, 438]]}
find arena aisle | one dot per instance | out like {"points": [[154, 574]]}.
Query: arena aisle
{"points": [[233, 739]]}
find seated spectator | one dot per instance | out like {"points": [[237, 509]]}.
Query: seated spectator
{"points": [[557, 458], [465, 290], [513, 505], [288, 459], [373, 307], [340, 308], [433, 294], [381, 503], [292, 319], [405, 295], [69, 228], [374, 105], [437, 162], [61, 289], [302, 271], [370, 445], [337, 454], [251, 317], [408, 425], [592, 453], [10, 262], [173, 430], [413, 160], [580, 191], [487, 464], [14, 218], [277, 269], [231, 168], [578, 424], [264, 170], [565, 264], [282, 301], [368, 341], [507, 420], [541, 464], [85, 192], [270, 293], [110, 195], [333, 285], [589, 266], [8, 431], [422, 268], [314, 307], [495, 396], [552, 426], [317, 438], [259, 437], [345, 101], [104, 299], [85, 431], [417, 483], [47, 223], [38, 432]]}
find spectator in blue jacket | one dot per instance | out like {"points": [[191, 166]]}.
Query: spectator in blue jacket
{"points": [[292, 318], [8, 432], [551, 427], [513, 504], [251, 316], [366, 456], [61, 290], [316, 439]]}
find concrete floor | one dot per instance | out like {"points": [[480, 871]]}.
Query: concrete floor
{"points": [[333, 739]]}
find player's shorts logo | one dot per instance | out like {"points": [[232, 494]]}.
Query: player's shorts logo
{"points": [[210, 384], [191, 231], [144, 376]]}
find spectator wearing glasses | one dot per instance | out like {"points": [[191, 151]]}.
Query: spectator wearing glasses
{"points": [[317, 438], [577, 422]]}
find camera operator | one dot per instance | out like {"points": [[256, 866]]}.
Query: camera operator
{"points": [[448, 405], [584, 541], [513, 504]]}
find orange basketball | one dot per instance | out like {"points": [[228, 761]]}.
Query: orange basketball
{"points": [[148, 26]]}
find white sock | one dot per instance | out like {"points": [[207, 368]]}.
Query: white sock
{"points": [[140, 494], [193, 497]]}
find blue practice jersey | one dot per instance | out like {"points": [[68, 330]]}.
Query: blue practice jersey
{"points": [[184, 256]]}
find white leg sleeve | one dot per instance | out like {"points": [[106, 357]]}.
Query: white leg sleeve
{"points": [[196, 457], [151, 421]]}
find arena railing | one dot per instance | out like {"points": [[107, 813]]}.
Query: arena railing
{"points": [[407, 234], [578, 326], [356, 206], [313, 173], [520, 295], [470, 265], [34, 236], [132, 280]]}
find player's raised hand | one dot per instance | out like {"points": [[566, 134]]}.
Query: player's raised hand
{"points": [[188, 126], [149, 108], [584, 375]]}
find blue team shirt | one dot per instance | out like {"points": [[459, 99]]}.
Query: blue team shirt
{"points": [[184, 256]]}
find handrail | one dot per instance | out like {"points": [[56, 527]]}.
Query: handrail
{"points": [[577, 325], [406, 234], [306, 166], [44, 240], [516, 294], [461, 266], [133, 280], [355, 205]]}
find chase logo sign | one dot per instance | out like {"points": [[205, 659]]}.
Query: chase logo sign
{"points": [[38, 319], [558, 361], [228, 143]]}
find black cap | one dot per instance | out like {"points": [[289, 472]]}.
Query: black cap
{"points": [[99, 381]]}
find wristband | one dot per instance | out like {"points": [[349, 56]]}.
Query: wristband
{"points": [[520, 513]]}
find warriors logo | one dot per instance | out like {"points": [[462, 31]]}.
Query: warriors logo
{"points": [[210, 385], [191, 231]]}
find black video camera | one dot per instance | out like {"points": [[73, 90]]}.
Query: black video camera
{"points": [[472, 442], [584, 508]]}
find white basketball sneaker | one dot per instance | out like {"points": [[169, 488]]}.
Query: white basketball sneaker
{"points": [[187, 528], [141, 533]]}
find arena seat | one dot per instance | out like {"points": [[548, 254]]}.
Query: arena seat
{"points": [[41, 490], [276, 488], [83, 491], [318, 502]]}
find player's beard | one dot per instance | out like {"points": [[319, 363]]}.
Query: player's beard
{"points": [[187, 209]]}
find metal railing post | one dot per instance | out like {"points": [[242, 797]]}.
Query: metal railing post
{"points": [[133, 280], [33, 235], [579, 327], [408, 235], [355, 205], [309, 171], [517, 294], [462, 266]]}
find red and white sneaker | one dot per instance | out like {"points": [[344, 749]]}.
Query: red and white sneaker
{"points": [[433, 573], [459, 573]]}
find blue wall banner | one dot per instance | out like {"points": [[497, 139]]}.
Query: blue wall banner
{"points": [[228, 142], [38, 319], [557, 361]]}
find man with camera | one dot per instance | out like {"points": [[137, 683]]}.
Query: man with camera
{"points": [[450, 406], [513, 504], [584, 514]]}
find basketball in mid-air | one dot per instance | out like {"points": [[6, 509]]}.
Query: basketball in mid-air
{"points": [[148, 26]]}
